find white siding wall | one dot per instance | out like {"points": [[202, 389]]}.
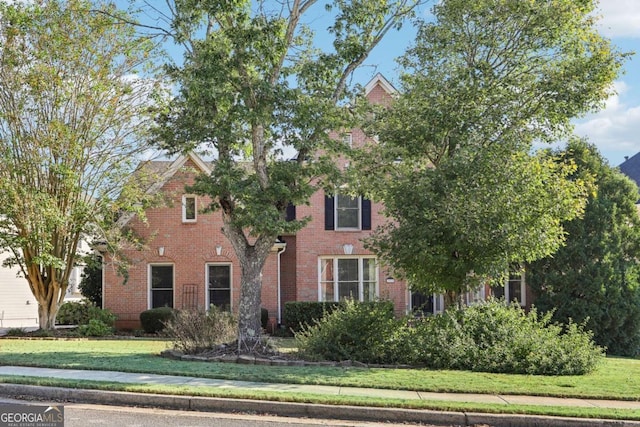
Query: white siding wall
{"points": [[18, 307]]}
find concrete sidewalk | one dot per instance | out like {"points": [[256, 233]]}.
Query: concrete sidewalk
{"points": [[297, 409]]}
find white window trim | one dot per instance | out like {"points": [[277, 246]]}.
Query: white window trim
{"points": [[523, 290], [438, 303], [347, 139], [184, 208], [335, 215], [149, 284], [206, 283], [360, 259]]}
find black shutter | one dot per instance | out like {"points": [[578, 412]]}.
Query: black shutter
{"points": [[291, 212], [366, 214], [329, 223]]}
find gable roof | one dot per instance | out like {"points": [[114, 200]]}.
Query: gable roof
{"points": [[631, 168], [165, 170], [379, 79]]}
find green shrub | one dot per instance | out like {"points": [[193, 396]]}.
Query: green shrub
{"points": [[487, 337], [355, 331], [495, 337], [80, 313], [194, 331], [297, 314], [155, 319], [95, 328], [73, 313], [16, 332]]}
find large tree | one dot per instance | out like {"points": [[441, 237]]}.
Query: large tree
{"points": [[595, 277], [484, 81], [253, 83], [70, 107]]}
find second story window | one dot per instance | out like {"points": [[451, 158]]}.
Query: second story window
{"points": [[347, 212], [347, 139], [343, 212], [189, 209]]}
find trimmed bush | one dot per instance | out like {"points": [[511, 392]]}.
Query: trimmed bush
{"points": [[81, 313], [297, 314], [194, 331], [155, 319], [95, 328]]}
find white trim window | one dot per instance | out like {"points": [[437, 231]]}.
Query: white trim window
{"points": [[422, 304], [347, 139], [219, 278], [513, 290], [347, 277], [347, 212], [189, 208], [161, 286]]}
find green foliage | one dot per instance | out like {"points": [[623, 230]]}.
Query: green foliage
{"points": [[487, 337], [154, 320], [70, 115], [298, 314], [16, 332], [595, 277], [95, 328], [194, 331], [482, 84], [81, 313], [495, 337], [354, 331], [252, 85], [91, 280]]}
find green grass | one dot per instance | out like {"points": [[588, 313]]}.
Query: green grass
{"points": [[616, 378]]}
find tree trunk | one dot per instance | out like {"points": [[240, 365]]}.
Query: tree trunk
{"points": [[249, 325], [50, 295], [252, 258]]}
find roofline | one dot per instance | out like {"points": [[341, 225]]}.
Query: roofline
{"points": [[379, 78], [165, 176]]}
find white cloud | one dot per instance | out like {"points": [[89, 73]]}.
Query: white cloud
{"points": [[620, 18], [614, 129]]}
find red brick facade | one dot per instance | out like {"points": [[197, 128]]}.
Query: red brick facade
{"points": [[292, 272]]}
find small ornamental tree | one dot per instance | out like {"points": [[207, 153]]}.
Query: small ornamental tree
{"points": [[71, 105], [595, 276]]}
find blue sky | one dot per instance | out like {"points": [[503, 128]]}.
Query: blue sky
{"points": [[615, 130]]}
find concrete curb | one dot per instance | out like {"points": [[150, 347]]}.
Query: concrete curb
{"points": [[289, 409]]}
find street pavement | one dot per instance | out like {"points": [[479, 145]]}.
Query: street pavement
{"points": [[196, 403]]}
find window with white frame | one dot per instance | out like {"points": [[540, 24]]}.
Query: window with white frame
{"points": [[513, 289], [189, 209], [160, 286], [347, 139], [422, 304], [347, 212], [219, 285], [348, 277]]}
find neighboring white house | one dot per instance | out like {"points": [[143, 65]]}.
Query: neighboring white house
{"points": [[18, 306]]}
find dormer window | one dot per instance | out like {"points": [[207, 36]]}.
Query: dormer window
{"points": [[189, 209]]}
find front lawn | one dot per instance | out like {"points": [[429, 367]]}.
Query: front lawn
{"points": [[616, 378]]}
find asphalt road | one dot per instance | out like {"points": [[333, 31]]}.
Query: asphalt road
{"points": [[85, 415]]}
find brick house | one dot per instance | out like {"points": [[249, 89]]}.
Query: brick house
{"points": [[189, 263]]}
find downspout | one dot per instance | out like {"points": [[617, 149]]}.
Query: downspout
{"points": [[280, 252]]}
